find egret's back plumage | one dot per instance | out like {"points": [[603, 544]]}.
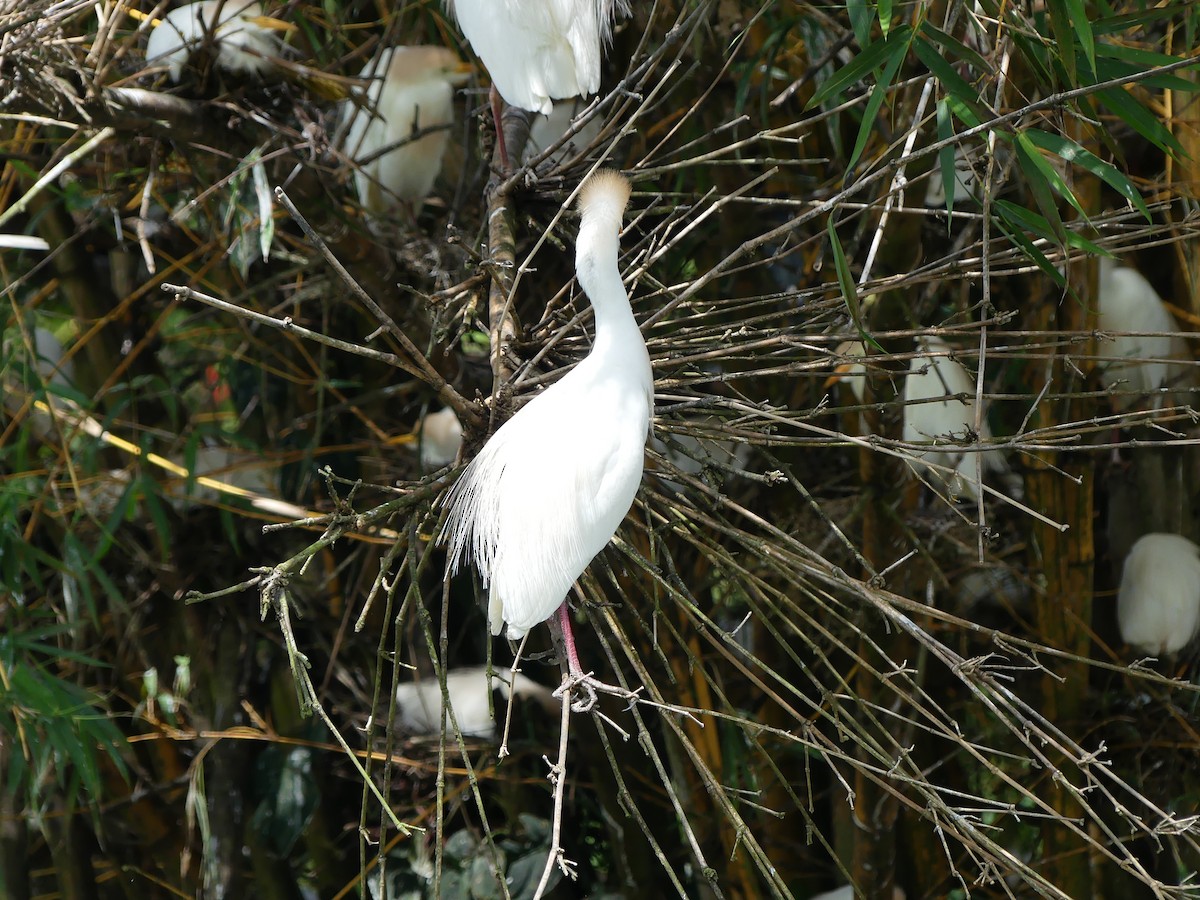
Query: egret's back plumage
{"points": [[1158, 604], [538, 51], [242, 46], [551, 486], [937, 408], [939, 376], [1128, 302]]}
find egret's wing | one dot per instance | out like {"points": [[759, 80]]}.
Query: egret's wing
{"points": [[550, 519]]}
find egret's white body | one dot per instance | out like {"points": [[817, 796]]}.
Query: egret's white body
{"points": [[441, 438], [243, 45], [933, 412], [419, 707], [412, 90], [1128, 303], [1158, 604], [548, 490], [538, 51]]}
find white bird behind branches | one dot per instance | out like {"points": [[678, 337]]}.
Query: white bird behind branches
{"points": [[939, 411], [419, 706], [238, 29], [440, 436], [548, 490], [1137, 365], [1158, 604], [411, 92]]}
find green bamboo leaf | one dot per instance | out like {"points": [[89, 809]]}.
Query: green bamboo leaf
{"points": [[1129, 21], [885, 16], [77, 587], [1077, 12], [1034, 169], [845, 277], [956, 48], [860, 21], [1012, 227], [156, 511], [945, 131], [1119, 62], [1034, 53], [899, 49], [1028, 220], [1078, 156], [963, 112], [1053, 178], [1140, 120], [965, 95], [1139, 57], [858, 68], [1064, 39]]}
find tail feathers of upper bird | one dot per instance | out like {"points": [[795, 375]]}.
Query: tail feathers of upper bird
{"points": [[604, 196]]}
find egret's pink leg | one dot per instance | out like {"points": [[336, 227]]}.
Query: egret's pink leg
{"points": [[564, 624], [498, 119]]}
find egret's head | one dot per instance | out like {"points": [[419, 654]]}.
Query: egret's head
{"points": [[411, 65]]}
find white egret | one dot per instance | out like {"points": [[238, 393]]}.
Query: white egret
{"points": [[441, 437], [1128, 303], [239, 31], [398, 134], [537, 51], [938, 408], [1158, 604], [419, 703], [550, 487]]}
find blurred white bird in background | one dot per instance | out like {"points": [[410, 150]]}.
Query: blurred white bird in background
{"points": [[549, 488], [53, 365], [693, 455], [537, 51], [419, 707], [938, 408], [239, 30], [397, 134], [1128, 303], [1158, 604], [964, 181], [23, 375], [546, 130], [217, 474], [441, 435]]}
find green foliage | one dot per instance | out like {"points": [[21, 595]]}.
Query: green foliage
{"points": [[61, 734]]}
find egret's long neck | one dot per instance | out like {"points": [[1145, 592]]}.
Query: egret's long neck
{"points": [[596, 267]]}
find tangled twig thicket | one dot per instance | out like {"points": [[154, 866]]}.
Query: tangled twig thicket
{"points": [[844, 673]]}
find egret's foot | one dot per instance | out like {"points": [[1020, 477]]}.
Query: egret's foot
{"points": [[588, 686]]}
